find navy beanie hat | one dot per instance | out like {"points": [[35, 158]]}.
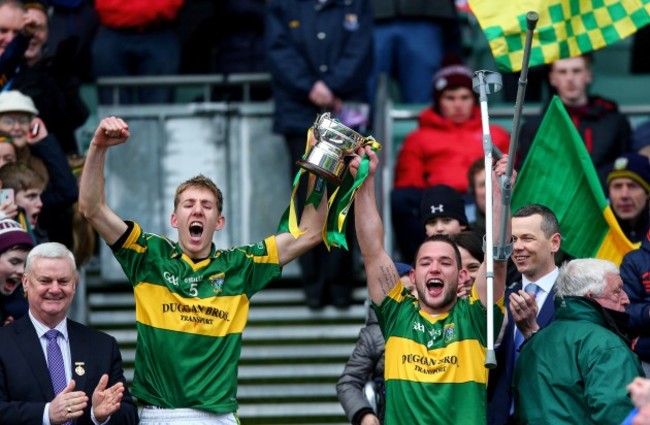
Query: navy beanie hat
{"points": [[442, 201], [633, 166]]}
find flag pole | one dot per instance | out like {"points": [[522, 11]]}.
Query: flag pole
{"points": [[484, 83], [506, 187]]}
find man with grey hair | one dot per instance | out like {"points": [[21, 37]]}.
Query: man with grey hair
{"points": [[579, 365], [54, 370]]}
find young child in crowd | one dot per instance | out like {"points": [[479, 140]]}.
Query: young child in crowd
{"points": [[28, 186]]}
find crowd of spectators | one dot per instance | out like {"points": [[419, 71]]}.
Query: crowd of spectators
{"points": [[326, 56]]}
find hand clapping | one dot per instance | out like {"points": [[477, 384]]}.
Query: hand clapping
{"points": [[106, 401], [68, 405]]}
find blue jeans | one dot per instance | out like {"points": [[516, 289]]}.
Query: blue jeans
{"points": [[130, 53], [411, 53]]}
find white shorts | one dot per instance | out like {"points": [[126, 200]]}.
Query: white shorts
{"points": [[151, 415]]}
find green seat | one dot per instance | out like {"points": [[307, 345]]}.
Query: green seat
{"points": [[624, 89]]}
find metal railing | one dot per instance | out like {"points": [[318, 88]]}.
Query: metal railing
{"points": [[206, 82]]}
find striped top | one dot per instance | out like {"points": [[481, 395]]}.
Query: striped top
{"points": [[190, 318], [435, 371]]}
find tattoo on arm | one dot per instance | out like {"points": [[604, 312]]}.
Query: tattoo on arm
{"points": [[387, 279]]}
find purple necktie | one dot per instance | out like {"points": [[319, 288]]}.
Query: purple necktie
{"points": [[55, 363]]}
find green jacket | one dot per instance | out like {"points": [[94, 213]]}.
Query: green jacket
{"points": [[575, 370]]}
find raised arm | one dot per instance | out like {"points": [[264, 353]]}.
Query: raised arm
{"points": [[380, 269], [500, 266], [92, 202], [311, 222]]}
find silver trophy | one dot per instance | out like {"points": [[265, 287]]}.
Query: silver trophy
{"points": [[335, 144]]}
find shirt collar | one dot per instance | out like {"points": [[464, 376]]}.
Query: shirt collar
{"points": [[178, 252], [545, 283], [42, 328]]}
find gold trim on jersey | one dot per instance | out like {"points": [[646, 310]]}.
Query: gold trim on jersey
{"points": [[196, 266], [272, 256], [216, 316], [131, 240]]}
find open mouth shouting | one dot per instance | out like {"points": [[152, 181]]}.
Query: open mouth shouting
{"points": [[33, 219], [10, 285], [435, 287], [196, 230]]}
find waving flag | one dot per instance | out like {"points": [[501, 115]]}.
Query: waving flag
{"points": [[565, 28], [559, 174]]}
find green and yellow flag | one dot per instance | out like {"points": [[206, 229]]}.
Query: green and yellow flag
{"points": [[559, 174], [565, 28]]}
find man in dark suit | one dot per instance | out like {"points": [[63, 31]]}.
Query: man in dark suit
{"points": [[536, 235], [90, 385]]}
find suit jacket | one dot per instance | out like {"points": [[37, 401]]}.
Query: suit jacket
{"points": [[500, 379], [25, 385]]}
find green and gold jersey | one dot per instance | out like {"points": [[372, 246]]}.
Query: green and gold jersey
{"points": [[190, 317], [435, 366]]}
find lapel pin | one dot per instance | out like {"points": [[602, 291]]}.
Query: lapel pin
{"points": [[79, 368]]}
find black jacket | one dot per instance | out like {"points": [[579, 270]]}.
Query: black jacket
{"points": [[57, 98], [365, 364], [414, 9], [635, 272], [308, 41], [25, 384]]}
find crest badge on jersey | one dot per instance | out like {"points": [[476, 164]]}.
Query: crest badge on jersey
{"points": [[216, 281], [450, 332]]}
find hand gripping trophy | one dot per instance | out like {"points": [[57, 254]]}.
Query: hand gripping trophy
{"points": [[335, 145]]}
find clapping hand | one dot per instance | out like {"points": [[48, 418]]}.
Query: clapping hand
{"points": [[106, 401], [524, 311], [68, 405]]}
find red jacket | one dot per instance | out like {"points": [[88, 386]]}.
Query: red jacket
{"points": [[133, 14], [441, 152]]}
